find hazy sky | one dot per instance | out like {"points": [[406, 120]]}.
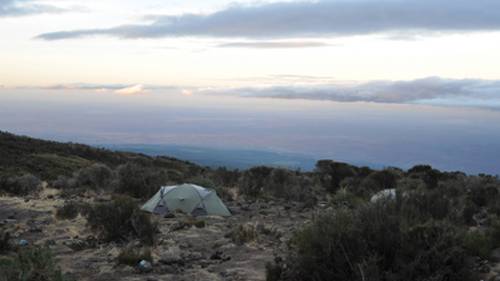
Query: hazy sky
{"points": [[268, 74]]}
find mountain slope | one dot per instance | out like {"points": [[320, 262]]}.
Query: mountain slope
{"points": [[49, 159]]}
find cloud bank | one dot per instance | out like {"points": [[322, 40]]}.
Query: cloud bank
{"points": [[138, 89], [313, 19], [432, 90], [10, 8], [274, 44]]}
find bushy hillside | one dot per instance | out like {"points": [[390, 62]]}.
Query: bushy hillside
{"points": [[48, 159], [339, 222]]}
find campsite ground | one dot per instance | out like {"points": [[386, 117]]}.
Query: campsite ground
{"points": [[182, 252]]}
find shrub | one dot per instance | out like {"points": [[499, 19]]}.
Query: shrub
{"points": [[422, 205], [96, 176], [5, 244], [121, 218], [478, 244], [31, 264], [385, 179], [243, 233], [253, 180], [68, 211], [21, 185], [331, 173], [426, 173], [132, 256], [202, 181], [278, 183], [289, 185], [374, 242], [139, 181], [64, 183], [224, 177], [345, 198]]}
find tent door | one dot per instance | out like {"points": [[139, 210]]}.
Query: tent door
{"points": [[161, 208], [199, 211]]}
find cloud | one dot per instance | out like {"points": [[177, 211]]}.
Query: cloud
{"points": [[432, 90], [274, 44], [132, 90], [10, 8], [313, 19], [86, 86]]}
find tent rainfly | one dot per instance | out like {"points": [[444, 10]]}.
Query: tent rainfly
{"points": [[189, 198]]}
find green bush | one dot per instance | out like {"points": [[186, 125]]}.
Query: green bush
{"points": [[139, 181], [21, 185], [132, 256], [243, 233], [374, 242], [68, 211], [96, 176], [252, 181], [31, 264], [478, 244], [345, 198], [278, 183], [331, 173], [120, 219]]}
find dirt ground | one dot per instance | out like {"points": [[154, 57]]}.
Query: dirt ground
{"points": [[205, 253]]}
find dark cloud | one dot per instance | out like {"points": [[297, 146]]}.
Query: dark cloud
{"points": [[313, 19], [11, 8], [433, 90]]}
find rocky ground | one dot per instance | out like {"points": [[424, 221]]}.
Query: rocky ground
{"points": [[182, 252]]}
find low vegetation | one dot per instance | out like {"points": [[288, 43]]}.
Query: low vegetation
{"points": [[120, 219], [31, 264], [133, 255], [434, 226], [23, 185]]}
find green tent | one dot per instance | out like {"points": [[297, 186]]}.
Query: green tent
{"points": [[189, 198]]}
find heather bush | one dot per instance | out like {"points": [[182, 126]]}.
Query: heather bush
{"points": [[132, 256], [331, 173], [31, 264], [5, 243], [374, 242], [21, 185], [121, 219], [68, 211], [139, 181], [96, 176], [277, 183], [253, 180]]}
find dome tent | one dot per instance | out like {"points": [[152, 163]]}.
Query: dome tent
{"points": [[189, 198]]}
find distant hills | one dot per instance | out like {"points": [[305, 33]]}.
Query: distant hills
{"points": [[220, 157]]}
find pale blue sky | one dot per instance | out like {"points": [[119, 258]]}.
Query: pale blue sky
{"points": [[329, 78]]}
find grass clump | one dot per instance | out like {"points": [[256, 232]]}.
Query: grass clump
{"points": [[31, 264], [5, 243], [243, 233], [121, 219], [68, 211], [374, 242], [132, 256], [20, 185]]}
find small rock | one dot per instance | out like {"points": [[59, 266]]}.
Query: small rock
{"points": [[145, 266], [23, 243]]}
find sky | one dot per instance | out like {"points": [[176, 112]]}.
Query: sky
{"points": [[392, 81]]}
